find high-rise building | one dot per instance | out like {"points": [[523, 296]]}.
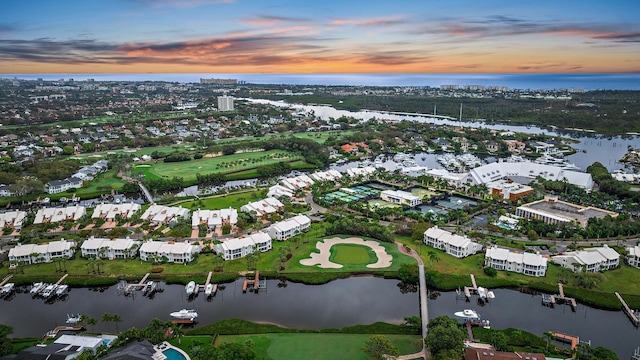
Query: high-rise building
{"points": [[219, 81], [225, 103]]}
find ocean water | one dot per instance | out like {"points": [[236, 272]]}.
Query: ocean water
{"points": [[512, 81]]}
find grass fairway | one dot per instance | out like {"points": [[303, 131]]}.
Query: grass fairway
{"points": [[349, 254], [317, 346]]}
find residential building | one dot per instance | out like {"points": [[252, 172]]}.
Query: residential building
{"points": [[66, 347], [110, 211], [453, 244], [159, 214], [6, 191], [285, 229], [400, 197], [214, 218], [263, 207], [110, 248], [12, 219], [486, 354], [329, 175], [140, 350], [298, 182], [58, 186], [589, 259], [38, 253], [173, 252], [53, 215], [633, 256], [225, 103], [516, 261], [553, 211], [277, 191], [240, 247], [361, 171]]}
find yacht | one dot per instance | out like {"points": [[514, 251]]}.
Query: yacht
{"points": [[467, 315], [62, 290], [190, 288], [208, 290], [73, 319], [482, 292], [6, 289], [35, 289], [49, 291], [184, 314]]}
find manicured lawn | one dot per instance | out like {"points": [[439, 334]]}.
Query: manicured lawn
{"points": [[317, 346], [223, 201], [349, 254]]}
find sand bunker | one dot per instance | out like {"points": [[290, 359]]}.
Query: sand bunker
{"points": [[322, 259]]}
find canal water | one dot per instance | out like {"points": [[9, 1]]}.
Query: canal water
{"points": [[344, 302]]}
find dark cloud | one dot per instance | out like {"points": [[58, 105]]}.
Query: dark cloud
{"points": [[52, 51]]}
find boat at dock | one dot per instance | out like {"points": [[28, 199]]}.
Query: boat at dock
{"points": [[150, 288], [62, 290], [467, 315], [184, 314], [36, 288], [73, 319], [208, 290], [7, 289], [49, 291], [190, 288], [482, 292]]}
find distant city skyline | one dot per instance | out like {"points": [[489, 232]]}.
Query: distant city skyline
{"points": [[315, 37]]}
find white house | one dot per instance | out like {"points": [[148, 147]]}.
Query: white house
{"points": [[329, 175], [400, 197], [58, 186], [174, 252], [113, 249], [633, 257], [53, 215], [263, 207], [109, 211], [285, 229], [12, 219], [159, 214], [237, 248], [278, 190], [520, 262], [452, 244], [36, 253], [360, 171], [298, 182], [589, 259], [214, 218]]}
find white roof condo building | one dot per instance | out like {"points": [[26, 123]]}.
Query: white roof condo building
{"points": [[237, 248], [12, 219], [298, 182], [329, 175], [174, 252], [278, 190], [400, 197], [214, 218], [285, 229], [453, 244], [520, 262], [263, 207], [109, 211], [360, 171], [109, 248], [53, 215], [633, 256], [159, 214], [502, 170], [590, 259], [36, 253]]}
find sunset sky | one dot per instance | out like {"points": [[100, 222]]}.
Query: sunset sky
{"points": [[301, 36]]}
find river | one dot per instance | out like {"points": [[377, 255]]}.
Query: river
{"points": [[344, 302]]}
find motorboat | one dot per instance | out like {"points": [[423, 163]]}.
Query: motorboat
{"points": [[49, 291], [6, 289], [482, 292], [35, 289], [62, 290], [73, 319], [150, 288], [190, 288], [490, 295], [208, 290], [147, 287], [184, 314], [467, 314]]}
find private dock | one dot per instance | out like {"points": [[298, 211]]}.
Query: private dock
{"points": [[183, 321], [470, 323], [53, 333], [562, 299], [61, 279], [138, 286], [633, 315], [569, 339], [253, 282], [548, 300], [467, 291], [214, 286], [6, 278]]}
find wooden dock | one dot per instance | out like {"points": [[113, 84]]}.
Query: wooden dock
{"points": [[253, 282], [473, 282], [138, 285], [6, 278], [633, 315], [562, 299], [53, 333], [183, 321], [61, 279], [569, 339], [468, 290]]}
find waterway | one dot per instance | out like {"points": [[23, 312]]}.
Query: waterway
{"points": [[344, 302]]}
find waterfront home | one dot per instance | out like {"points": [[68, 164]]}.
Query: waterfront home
{"points": [[360, 171], [159, 214], [39, 253], [173, 252], [400, 197], [259, 209], [66, 347], [453, 244], [12, 219], [589, 259], [633, 256], [109, 248], [285, 229], [553, 211], [489, 354], [54, 215], [214, 218], [109, 212], [516, 261], [240, 247]]}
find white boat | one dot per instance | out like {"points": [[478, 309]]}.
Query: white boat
{"points": [[208, 290], [73, 319], [190, 288], [150, 288], [184, 314], [491, 295], [62, 290], [6, 289], [482, 292], [35, 289], [49, 291], [467, 314]]}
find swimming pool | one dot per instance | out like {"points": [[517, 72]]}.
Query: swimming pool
{"points": [[173, 354]]}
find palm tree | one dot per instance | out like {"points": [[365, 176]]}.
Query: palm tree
{"points": [[116, 318], [91, 322], [548, 336], [433, 257], [106, 317], [177, 332]]}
